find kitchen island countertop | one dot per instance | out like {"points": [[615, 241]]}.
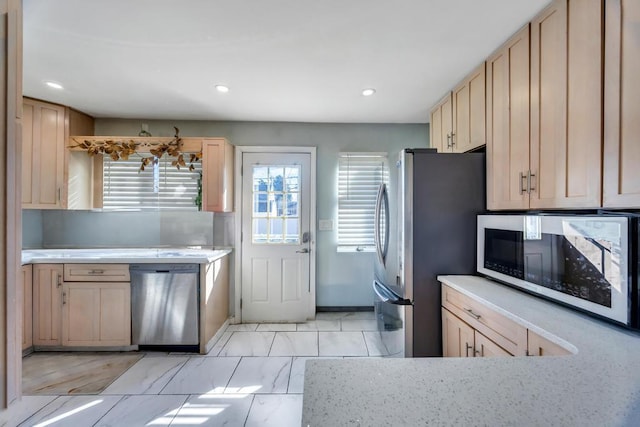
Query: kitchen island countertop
{"points": [[122, 255], [598, 385]]}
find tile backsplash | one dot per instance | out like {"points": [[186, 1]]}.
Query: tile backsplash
{"points": [[94, 229]]}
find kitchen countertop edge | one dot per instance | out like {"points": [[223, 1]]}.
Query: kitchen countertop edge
{"points": [[123, 256]]}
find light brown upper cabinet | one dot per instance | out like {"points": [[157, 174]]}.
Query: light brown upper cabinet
{"points": [[552, 158], [622, 105], [508, 123], [469, 112], [458, 121], [217, 175], [53, 177], [566, 106], [441, 126]]}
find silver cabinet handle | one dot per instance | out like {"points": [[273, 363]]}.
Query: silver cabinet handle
{"points": [[472, 314], [449, 140], [303, 251], [96, 271], [523, 180], [530, 186], [64, 298], [453, 140], [481, 352], [58, 281], [468, 347]]}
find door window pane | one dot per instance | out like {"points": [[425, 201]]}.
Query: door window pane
{"points": [[276, 204]]}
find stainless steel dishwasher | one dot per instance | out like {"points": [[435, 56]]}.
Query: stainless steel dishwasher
{"points": [[164, 305]]}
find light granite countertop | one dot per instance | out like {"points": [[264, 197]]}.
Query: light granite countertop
{"points": [[598, 385], [123, 255]]}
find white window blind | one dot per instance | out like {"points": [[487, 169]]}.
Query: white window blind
{"points": [[159, 186], [359, 176]]}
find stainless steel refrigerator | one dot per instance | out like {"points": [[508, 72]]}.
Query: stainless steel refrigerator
{"points": [[425, 226]]}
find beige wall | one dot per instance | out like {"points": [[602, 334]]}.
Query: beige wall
{"points": [[342, 279]]}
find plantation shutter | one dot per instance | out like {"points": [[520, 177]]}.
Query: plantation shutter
{"points": [[159, 186], [359, 176]]}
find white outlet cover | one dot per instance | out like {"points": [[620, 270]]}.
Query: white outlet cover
{"points": [[325, 225]]}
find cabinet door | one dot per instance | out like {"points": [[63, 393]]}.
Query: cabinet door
{"points": [[539, 346], [442, 124], [446, 112], [217, 175], [27, 308], [508, 124], [484, 347], [469, 107], [566, 105], [47, 304], [457, 336], [96, 314], [44, 138], [435, 129], [621, 106], [96, 273]]}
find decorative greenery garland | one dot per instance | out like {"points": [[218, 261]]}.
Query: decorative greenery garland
{"points": [[122, 149]]}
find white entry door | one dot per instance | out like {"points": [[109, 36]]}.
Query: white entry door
{"points": [[276, 239]]}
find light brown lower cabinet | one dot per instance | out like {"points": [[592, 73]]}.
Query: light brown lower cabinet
{"points": [[96, 314], [214, 299], [461, 340], [540, 346], [468, 327], [47, 304], [27, 308], [82, 313]]}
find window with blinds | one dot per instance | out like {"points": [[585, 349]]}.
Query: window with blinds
{"points": [[359, 176], [162, 186]]}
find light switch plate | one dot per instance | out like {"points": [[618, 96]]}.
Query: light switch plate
{"points": [[325, 225]]}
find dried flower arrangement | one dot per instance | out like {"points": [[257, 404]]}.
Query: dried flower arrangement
{"points": [[122, 149]]}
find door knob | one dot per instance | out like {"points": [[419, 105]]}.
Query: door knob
{"points": [[303, 251]]}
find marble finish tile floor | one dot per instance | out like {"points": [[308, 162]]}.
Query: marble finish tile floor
{"points": [[253, 376]]}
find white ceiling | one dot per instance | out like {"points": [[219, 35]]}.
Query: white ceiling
{"points": [[284, 60]]}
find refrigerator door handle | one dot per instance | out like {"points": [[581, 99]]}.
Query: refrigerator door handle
{"points": [[388, 296], [382, 247]]}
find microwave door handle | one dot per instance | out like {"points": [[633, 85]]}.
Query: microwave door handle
{"points": [[376, 224]]}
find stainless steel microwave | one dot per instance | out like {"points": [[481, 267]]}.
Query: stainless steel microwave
{"points": [[588, 262]]}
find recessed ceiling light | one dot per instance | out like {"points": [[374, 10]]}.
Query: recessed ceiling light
{"points": [[222, 88], [54, 85], [368, 92]]}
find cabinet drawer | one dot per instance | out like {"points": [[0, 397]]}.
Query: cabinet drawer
{"points": [[503, 331], [96, 273]]}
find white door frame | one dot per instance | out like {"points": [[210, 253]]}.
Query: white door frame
{"points": [[238, 221]]}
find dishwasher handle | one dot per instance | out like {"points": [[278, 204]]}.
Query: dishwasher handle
{"points": [[164, 268]]}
